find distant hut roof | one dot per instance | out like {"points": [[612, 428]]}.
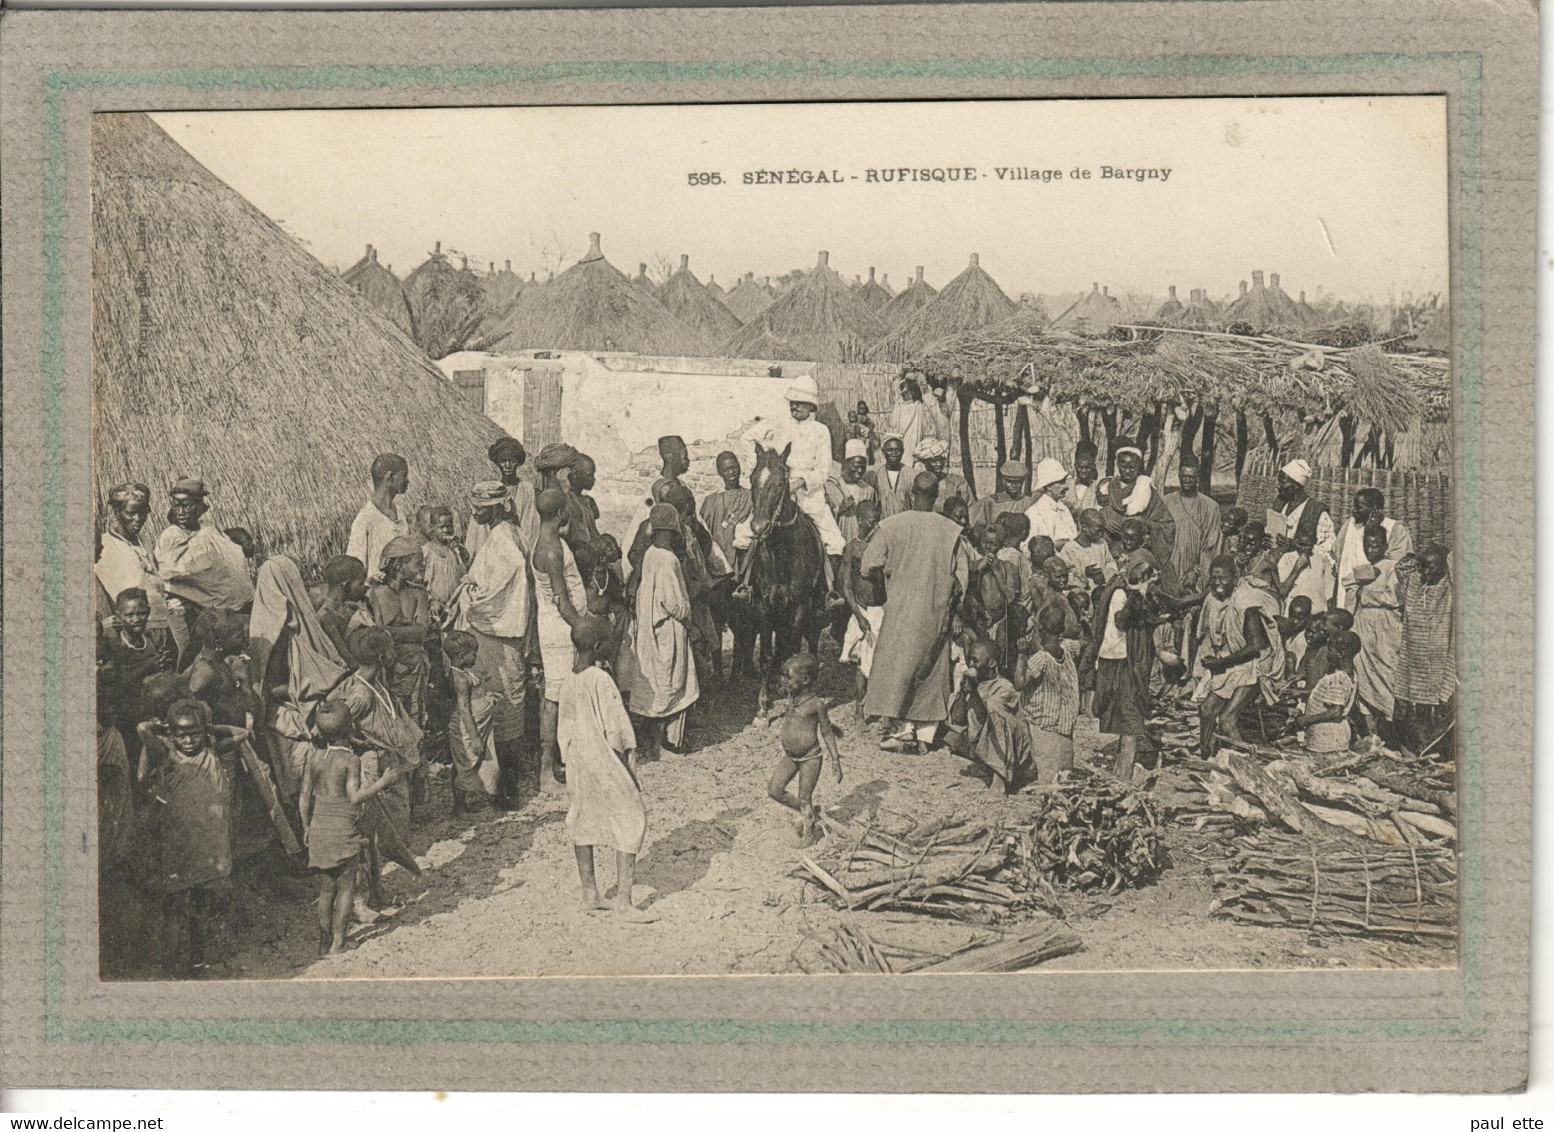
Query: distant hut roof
{"points": [[688, 299], [502, 291], [1309, 315], [764, 346], [748, 299], [448, 303], [1263, 308], [872, 294], [969, 301], [1030, 317], [1096, 312], [820, 317], [592, 306], [221, 349], [713, 289], [1171, 310], [641, 280], [917, 296], [382, 289], [890, 292], [1201, 312]]}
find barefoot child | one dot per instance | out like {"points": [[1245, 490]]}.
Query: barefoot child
{"points": [[598, 748], [471, 742], [330, 804], [805, 728]]}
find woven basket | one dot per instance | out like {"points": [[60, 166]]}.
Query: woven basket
{"points": [[1423, 500]]}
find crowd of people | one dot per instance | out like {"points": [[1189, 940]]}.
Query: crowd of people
{"points": [[252, 705]]}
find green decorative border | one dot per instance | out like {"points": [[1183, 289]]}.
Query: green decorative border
{"points": [[59, 84]]}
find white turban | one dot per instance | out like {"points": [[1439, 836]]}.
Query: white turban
{"points": [[931, 448], [1048, 472], [1297, 470], [855, 447]]}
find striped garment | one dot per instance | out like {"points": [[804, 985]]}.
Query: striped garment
{"points": [[1427, 670], [1051, 700]]}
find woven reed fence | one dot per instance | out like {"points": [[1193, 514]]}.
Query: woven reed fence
{"points": [[1421, 499]]}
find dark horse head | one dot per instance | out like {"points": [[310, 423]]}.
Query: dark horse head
{"points": [[770, 502]]}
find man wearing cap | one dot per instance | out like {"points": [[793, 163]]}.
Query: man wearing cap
{"points": [[1369, 507], [1131, 495], [919, 565], [934, 455], [892, 480], [845, 492], [1048, 514], [508, 456], [664, 684], [494, 605], [202, 567], [1008, 497], [380, 520], [1306, 520]]}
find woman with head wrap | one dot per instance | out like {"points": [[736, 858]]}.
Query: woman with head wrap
{"points": [[401, 606], [126, 561], [934, 454]]}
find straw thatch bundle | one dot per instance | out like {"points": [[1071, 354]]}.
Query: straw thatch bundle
{"points": [[1096, 312], [448, 303], [748, 299], [969, 301], [592, 306], [819, 318], [872, 294], [642, 280], [763, 346], [917, 296], [684, 296], [890, 292], [382, 289], [221, 349]]}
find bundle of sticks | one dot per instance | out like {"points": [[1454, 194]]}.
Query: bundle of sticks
{"points": [[1284, 881], [852, 950], [1091, 834]]}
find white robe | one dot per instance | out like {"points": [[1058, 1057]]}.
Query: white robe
{"points": [[665, 682], [594, 732]]}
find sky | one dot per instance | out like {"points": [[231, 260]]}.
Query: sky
{"points": [[1344, 197]]}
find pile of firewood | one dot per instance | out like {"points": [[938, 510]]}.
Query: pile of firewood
{"points": [[851, 950], [1295, 882], [1092, 834]]}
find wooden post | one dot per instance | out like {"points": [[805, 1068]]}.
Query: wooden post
{"points": [[1000, 441], [967, 468], [1270, 436], [1109, 423], [1241, 443], [1206, 445], [1026, 443]]}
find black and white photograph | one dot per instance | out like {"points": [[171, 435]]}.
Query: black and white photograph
{"points": [[775, 539]]}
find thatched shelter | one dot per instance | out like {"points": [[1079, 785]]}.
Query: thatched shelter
{"points": [[1201, 312], [688, 299], [382, 289], [1263, 308], [502, 291], [1096, 312], [448, 303], [221, 349], [819, 317], [748, 299], [764, 346], [890, 292], [872, 294], [917, 296], [1172, 310], [592, 306], [969, 301], [1308, 313]]}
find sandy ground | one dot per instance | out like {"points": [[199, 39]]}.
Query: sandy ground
{"points": [[499, 892]]}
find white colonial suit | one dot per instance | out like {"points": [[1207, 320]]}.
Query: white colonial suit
{"points": [[809, 466]]}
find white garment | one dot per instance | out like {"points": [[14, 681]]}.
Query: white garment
{"points": [[495, 596], [809, 467], [1326, 533], [1138, 499], [1114, 642], [1315, 581], [1351, 553], [1051, 518], [371, 531]]}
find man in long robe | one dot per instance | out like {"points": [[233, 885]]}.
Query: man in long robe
{"points": [[892, 480], [508, 456], [921, 565], [933, 454], [915, 420], [847, 489], [1131, 495], [1007, 497], [664, 684], [1348, 549]]}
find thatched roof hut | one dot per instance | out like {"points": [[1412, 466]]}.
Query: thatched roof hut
{"points": [[819, 317], [685, 297], [1096, 312], [502, 291], [1171, 311], [592, 306], [890, 292], [917, 296], [872, 294], [748, 299], [448, 303], [1263, 308], [969, 301], [641, 280], [382, 289], [764, 346], [1201, 312], [221, 349], [1309, 315], [713, 289]]}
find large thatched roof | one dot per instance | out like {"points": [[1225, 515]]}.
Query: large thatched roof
{"points": [[448, 302], [872, 294], [1201, 312], [748, 299], [968, 302], [1263, 308], [917, 296], [688, 299], [820, 317], [592, 306], [221, 349], [381, 287], [1096, 312]]}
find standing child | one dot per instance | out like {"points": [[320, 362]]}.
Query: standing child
{"points": [[1326, 718], [807, 737], [1049, 686], [471, 741], [866, 613], [330, 805], [599, 750], [1089, 555]]}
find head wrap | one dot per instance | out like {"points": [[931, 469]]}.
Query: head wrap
{"points": [[488, 493], [188, 486], [931, 448], [855, 448], [338, 571], [1048, 472], [1129, 446], [400, 546], [506, 449], [664, 517], [126, 493], [1012, 470], [1297, 470], [554, 457]]}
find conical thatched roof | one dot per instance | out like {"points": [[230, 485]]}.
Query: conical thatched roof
{"points": [[1171, 310], [819, 317], [1262, 308], [764, 346], [221, 349], [1308, 313], [890, 292], [1200, 313], [641, 280], [592, 306], [872, 294], [747, 300], [969, 301], [1030, 317], [713, 289], [448, 303], [1096, 312], [381, 287], [502, 291], [917, 296], [688, 300]]}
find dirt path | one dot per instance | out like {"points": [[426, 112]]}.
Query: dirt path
{"points": [[498, 893]]}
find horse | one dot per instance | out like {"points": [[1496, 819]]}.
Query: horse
{"points": [[785, 568]]}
